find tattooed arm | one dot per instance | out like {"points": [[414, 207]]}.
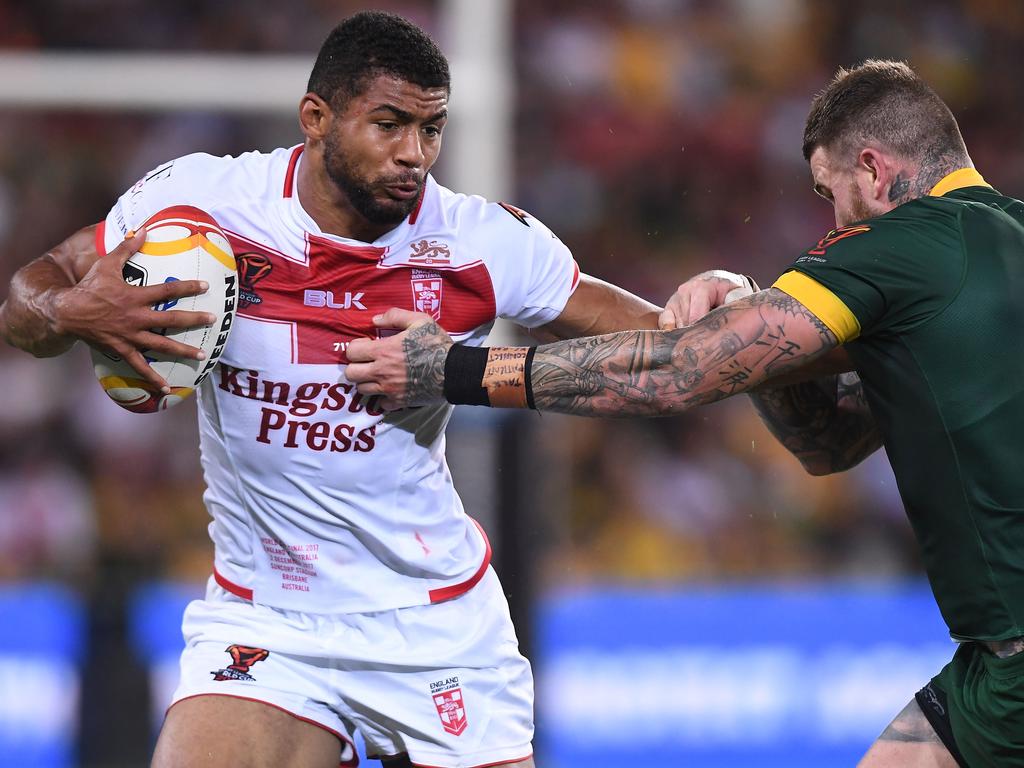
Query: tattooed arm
{"points": [[646, 373], [633, 373], [820, 417], [826, 423]]}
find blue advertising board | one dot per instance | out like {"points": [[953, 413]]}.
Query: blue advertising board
{"points": [[155, 626], [771, 677], [796, 676], [41, 645]]}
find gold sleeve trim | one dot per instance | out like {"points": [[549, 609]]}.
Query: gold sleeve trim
{"points": [[824, 304]]}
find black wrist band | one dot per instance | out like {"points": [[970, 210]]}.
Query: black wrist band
{"points": [[528, 379], [464, 375]]}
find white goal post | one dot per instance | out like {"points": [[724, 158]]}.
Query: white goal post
{"points": [[475, 35]]}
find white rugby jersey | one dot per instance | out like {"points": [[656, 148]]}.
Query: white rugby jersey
{"points": [[319, 501]]}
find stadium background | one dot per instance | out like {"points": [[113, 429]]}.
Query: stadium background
{"points": [[687, 594]]}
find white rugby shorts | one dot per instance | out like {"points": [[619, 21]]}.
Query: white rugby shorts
{"points": [[444, 682]]}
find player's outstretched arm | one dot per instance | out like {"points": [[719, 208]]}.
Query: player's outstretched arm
{"points": [[594, 307], [633, 373], [644, 373], [72, 294]]}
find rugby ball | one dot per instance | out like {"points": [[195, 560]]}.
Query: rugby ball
{"points": [[182, 243]]}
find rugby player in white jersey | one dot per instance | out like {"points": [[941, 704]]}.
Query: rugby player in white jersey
{"points": [[350, 590]]}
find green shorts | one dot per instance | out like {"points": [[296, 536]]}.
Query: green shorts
{"points": [[976, 706]]}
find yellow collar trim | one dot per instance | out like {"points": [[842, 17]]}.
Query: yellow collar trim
{"points": [[965, 177]]}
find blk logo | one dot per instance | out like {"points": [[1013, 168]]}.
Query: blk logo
{"points": [[346, 300]]}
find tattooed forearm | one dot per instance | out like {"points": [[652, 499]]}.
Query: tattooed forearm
{"points": [[825, 423], [655, 373], [425, 348]]}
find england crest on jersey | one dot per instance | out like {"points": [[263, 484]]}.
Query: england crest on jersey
{"points": [[426, 292]]}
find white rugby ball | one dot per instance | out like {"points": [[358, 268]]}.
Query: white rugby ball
{"points": [[182, 243]]}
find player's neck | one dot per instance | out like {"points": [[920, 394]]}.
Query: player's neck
{"points": [[330, 208]]}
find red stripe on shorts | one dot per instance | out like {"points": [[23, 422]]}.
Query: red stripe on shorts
{"points": [[513, 761], [230, 586], [455, 590], [341, 737], [436, 595]]}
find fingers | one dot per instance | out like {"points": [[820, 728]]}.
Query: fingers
{"points": [[374, 371], [161, 345], [680, 305], [364, 376], [135, 359], [127, 247], [700, 305], [666, 320], [399, 318], [360, 351], [178, 319], [385, 402], [700, 294], [175, 289], [359, 377]]}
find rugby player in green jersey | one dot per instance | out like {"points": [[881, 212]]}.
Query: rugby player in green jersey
{"points": [[920, 290]]}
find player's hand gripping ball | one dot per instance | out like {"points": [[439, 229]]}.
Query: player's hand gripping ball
{"points": [[182, 243]]}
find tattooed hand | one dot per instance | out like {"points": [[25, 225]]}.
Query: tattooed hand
{"points": [[407, 368]]}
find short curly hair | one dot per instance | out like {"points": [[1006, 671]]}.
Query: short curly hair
{"points": [[373, 43]]}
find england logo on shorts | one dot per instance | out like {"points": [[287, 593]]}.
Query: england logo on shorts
{"points": [[243, 657], [451, 708]]}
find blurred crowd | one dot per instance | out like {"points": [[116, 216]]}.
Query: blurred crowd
{"points": [[658, 138]]}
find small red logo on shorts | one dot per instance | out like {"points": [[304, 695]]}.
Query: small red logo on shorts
{"points": [[243, 657], [452, 710]]}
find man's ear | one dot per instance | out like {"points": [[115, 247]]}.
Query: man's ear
{"points": [[880, 172], [314, 116]]}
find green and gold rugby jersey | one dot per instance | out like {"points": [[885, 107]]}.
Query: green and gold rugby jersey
{"points": [[929, 301]]}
